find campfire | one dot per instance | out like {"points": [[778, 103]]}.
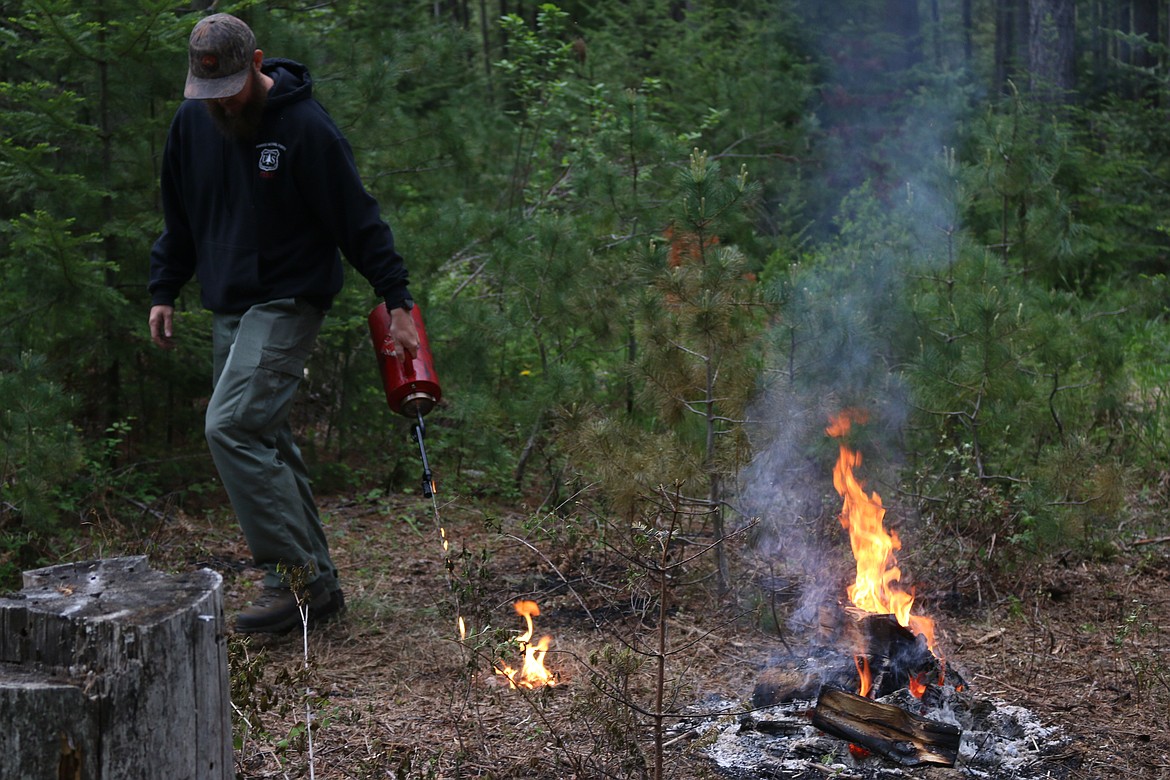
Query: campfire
{"points": [[532, 672], [877, 587], [893, 647], [872, 689]]}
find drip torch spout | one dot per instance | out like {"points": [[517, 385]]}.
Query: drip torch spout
{"points": [[419, 430]]}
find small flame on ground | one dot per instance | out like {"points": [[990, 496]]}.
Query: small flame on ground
{"points": [[462, 628], [533, 673], [876, 588]]}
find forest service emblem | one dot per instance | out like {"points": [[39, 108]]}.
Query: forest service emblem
{"points": [[269, 159]]}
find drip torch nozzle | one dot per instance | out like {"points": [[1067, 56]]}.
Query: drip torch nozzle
{"points": [[428, 481]]}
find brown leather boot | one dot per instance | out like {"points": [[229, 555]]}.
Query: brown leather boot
{"points": [[319, 616], [275, 610]]}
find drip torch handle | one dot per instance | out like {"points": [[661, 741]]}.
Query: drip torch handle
{"points": [[428, 480]]}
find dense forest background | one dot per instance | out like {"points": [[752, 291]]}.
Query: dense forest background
{"points": [[655, 243]]}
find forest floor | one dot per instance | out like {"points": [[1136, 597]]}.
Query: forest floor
{"points": [[395, 692]]}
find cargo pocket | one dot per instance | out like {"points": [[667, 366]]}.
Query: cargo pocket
{"points": [[267, 397]]}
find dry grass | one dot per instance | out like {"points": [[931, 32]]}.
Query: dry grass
{"points": [[396, 694]]}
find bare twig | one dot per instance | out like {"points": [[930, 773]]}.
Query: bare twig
{"points": [[1155, 540], [557, 571]]}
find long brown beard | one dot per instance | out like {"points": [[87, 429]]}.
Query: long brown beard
{"points": [[245, 123]]}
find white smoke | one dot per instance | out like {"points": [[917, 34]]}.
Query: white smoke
{"points": [[840, 342]]}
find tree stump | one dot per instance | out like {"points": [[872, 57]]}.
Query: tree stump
{"points": [[112, 671]]}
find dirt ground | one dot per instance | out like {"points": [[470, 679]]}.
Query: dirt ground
{"points": [[394, 692]]}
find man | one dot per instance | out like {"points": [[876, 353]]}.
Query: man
{"points": [[261, 195]]}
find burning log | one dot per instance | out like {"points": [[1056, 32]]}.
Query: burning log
{"points": [[898, 658], [885, 729]]}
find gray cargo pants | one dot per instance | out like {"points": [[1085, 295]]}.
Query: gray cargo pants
{"points": [[260, 359]]}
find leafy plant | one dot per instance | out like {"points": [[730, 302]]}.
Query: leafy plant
{"points": [[1135, 655]]}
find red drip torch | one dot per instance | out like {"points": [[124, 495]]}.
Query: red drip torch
{"points": [[412, 389]]}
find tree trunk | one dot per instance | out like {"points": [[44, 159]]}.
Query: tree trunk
{"points": [[111, 670], [112, 411], [1099, 54], [1051, 55], [903, 23], [1010, 40], [968, 33], [1003, 36], [1145, 22], [485, 34], [1121, 23], [936, 32]]}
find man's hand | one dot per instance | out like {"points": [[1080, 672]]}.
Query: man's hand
{"points": [[162, 326], [404, 334]]}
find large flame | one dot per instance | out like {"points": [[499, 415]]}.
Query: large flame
{"points": [[533, 673], [876, 587]]}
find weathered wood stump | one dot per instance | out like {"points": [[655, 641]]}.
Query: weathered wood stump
{"points": [[112, 671]]}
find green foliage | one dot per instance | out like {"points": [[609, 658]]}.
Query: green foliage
{"points": [[77, 104], [626, 460], [696, 314], [589, 291], [1011, 374], [1017, 376], [700, 309], [1115, 183], [978, 360], [1136, 652], [1022, 198], [537, 60], [43, 118], [50, 273], [610, 720], [1146, 410], [47, 277], [543, 319], [698, 323], [42, 452], [962, 505]]}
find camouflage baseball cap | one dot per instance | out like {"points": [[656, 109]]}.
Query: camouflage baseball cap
{"points": [[220, 56]]}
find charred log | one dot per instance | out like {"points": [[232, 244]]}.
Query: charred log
{"points": [[801, 679], [887, 730]]}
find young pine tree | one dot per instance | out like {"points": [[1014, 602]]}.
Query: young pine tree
{"points": [[700, 321]]}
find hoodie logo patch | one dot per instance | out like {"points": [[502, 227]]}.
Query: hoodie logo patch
{"points": [[269, 160]]}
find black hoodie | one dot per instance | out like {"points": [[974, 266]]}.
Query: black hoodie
{"points": [[260, 220]]}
